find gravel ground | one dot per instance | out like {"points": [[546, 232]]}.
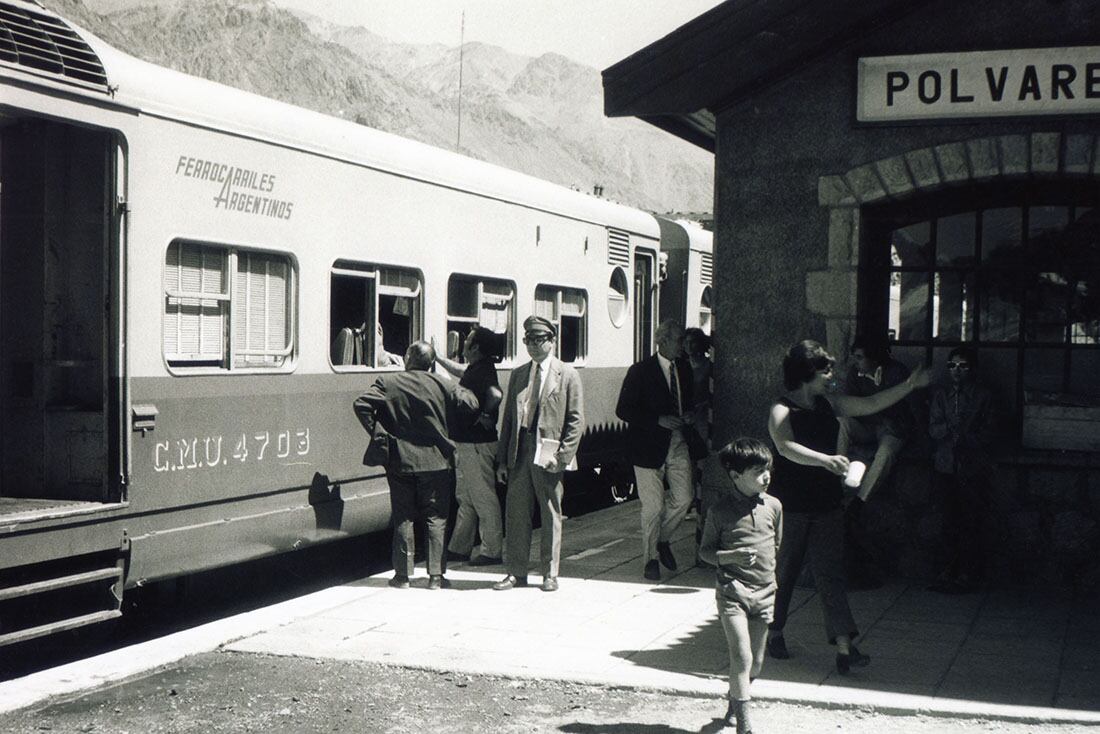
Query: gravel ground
{"points": [[232, 693]]}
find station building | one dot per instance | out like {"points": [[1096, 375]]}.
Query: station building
{"points": [[924, 169]]}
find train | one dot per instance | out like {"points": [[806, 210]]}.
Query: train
{"points": [[195, 284]]}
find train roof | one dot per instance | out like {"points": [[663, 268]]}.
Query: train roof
{"points": [[681, 234], [155, 90]]}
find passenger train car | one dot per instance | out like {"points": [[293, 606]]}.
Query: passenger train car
{"points": [[196, 282]]}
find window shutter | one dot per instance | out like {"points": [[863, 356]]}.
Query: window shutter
{"points": [[260, 321]]}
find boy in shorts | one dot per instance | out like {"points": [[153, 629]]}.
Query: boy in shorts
{"points": [[741, 538]]}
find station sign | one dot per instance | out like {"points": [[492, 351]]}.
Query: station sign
{"points": [[1009, 83]]}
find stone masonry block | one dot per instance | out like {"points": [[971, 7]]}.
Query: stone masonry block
{"points": [[922, 164], [865, 183], [895, 174], [1079, 150], [843, 237], [1044, 152], [983, 157], [838, 334], [833, 191], [1014, 155], [831, 293], [953, 163]]}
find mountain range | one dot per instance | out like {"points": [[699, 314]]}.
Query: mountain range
{"points": [[539, 115]]}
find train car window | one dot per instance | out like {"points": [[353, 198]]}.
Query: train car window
{"points": [[567, 308], [227, 308], [374, 314], [706, 312], [617, 297], [474, 301]]}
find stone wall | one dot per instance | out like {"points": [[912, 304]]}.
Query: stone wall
{"points": [[1042, 522]]}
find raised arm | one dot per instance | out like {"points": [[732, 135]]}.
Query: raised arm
{"points": [[779, 428], [455, 368], [852, 406]]}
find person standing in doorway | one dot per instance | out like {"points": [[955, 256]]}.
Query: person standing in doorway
{"points": [[961, 423]]}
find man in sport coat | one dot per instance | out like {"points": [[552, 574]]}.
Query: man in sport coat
{"points": [[539, 434], [417, 408], [656, 403]]}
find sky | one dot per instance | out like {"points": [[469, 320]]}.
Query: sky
{"points": [[597, 33]]}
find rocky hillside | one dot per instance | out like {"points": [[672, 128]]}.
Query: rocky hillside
{"points": [[542, 116]]}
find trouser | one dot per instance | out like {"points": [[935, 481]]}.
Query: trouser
{"points": [[963, 504], [887, 443], [528, 484], [661, 512], [425, 496], [822, 535], [476, 493]]}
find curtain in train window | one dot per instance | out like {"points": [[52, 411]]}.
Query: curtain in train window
{"points": [[473, 301], [567, 309], [214, 320]]}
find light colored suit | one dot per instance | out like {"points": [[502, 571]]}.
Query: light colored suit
{"points": [[560, 417]]}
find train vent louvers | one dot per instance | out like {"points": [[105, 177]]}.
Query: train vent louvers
{"points": [[706, 269], [618, 247], [46, 45]]}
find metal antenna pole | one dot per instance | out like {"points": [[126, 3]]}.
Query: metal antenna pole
{"points": [[461, 43]]}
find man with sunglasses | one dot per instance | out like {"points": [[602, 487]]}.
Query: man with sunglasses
{"points": [[960, 421], [539, 434]]}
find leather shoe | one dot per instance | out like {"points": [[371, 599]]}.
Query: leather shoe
{"points": [[652, 570], [664, 552], [854, 659], [550, 583], [486, 561], [777, 648], [509, 582], [399, 582], [438, 582]]}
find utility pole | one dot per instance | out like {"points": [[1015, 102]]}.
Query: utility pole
{"points": [[461, 43]]}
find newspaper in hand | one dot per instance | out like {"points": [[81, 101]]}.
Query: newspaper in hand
{"points": [[546, 449]]}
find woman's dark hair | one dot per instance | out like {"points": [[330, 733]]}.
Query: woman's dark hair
{"points": [[744, 454], [968, 353], [485, 340], [699, 336], [802, 362]]}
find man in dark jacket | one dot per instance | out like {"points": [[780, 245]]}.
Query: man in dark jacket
{"points": [[416, 408], [656, 403]]}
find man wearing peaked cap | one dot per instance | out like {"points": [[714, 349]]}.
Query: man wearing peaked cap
{"points": [[539, 434], [537, 324]]}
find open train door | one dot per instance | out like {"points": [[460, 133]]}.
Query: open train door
{"points": [[645, 302], [62, 399]]}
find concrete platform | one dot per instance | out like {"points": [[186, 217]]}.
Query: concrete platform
{"points": [[1003, 654]]}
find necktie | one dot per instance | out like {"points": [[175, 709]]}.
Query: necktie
{"points": [[533, 399], [674, 388]]}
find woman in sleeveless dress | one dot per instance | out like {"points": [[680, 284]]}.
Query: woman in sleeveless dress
{"points": [[807, 480]]}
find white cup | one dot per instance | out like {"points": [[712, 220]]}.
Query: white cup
{"points": [[855, 473]]}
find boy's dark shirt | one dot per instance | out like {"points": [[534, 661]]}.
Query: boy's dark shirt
{"points": [[738, 521], [478, 378]]}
